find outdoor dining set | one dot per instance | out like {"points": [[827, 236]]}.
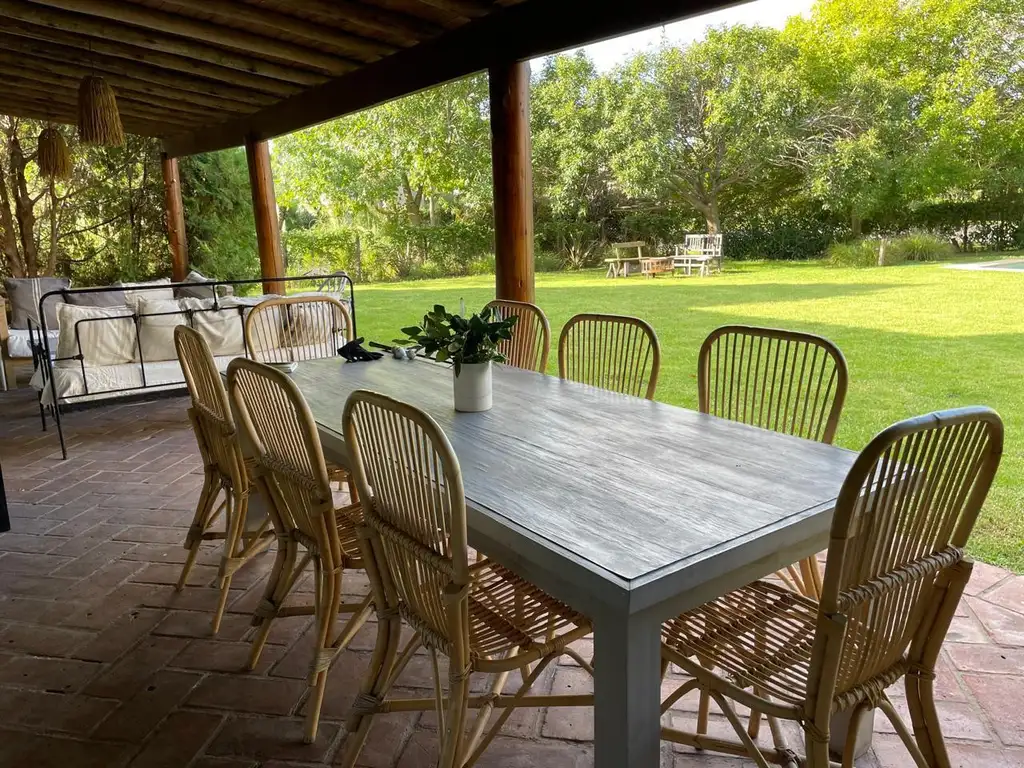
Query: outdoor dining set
{"points": [[494, 541]]}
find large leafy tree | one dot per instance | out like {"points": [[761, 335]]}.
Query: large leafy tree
{"points": [[694, 123]]}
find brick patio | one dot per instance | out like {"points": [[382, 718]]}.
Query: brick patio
{"points": [[103, 664]]}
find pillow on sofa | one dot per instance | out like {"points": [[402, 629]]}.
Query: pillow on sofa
{"points": [[222, 328], [197, 290], [157, 321], [110, 298], [133, 297], [267, 329], [107, 338], [23, 294]]}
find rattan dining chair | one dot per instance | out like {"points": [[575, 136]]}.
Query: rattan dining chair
{"points": [[614, 352], [530, 344], [894, 576], [785, 381], [291, 471], [297, 328], [246, 532], [480, 616]]}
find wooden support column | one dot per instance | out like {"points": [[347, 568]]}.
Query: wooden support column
{"points": [[264, 208], [175, 218], [513, 180]]}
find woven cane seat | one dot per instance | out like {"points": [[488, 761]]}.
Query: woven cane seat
{"points": [[758, 635]]}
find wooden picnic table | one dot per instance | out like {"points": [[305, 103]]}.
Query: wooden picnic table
{"points": [[618, 265], [581, 491]]}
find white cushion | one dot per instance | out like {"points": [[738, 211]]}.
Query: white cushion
{"points": [[157, 321], [222, 328], [108, 338], [132, 298]]}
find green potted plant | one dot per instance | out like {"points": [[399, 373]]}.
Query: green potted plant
{"points": [[470, 344]]}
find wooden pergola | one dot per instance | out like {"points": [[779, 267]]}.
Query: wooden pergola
{"points": [[204, 75]]}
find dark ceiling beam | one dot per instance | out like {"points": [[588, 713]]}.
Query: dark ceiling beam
{"points": [[398, 28], [68, 77], [529, 29], [64, 59], [182, 65], [357, 46], [29, 109], [87, 20]]}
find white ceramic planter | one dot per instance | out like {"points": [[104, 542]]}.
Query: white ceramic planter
{"points": [[473, 388]]}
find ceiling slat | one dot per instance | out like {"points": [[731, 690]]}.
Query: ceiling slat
{"points": [[97, 28], [46, 70], [400, 29], [364, 48]]}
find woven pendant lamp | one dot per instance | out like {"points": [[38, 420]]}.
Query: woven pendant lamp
{"points": [[98, 118], [53, 155]]}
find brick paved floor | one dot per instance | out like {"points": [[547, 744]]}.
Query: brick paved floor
{"points": [[103, 664]]}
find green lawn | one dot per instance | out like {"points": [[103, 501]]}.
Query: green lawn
{"points": [[917, 338]]}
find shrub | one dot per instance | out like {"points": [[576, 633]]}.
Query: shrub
{"points": [[786, 242], [918, 246], [856, 253], [547, 261], [484, 265]]}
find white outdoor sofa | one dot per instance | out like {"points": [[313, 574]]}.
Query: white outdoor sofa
{"points": [[118, 342]]}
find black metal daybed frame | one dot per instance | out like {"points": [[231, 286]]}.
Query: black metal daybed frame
{"points": [[43, 358]]}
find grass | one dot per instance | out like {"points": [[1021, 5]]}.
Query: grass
{"points": [[917, 337]]}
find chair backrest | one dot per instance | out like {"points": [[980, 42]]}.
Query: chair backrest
{"points": [[210, 413], [902, 519], [411, 489], [296, 328], [785, 381], [530, 344], [287, 451], [614, 352]]}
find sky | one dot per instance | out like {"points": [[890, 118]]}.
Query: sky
{"points": [[769, 13]]}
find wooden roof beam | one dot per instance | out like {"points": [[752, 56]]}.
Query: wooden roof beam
{"points": [[98, 27], [47, 94], [61, 75], [127, 13], [363, 48], [47, 54], [518, 32], [30, 108], [398, 28], [172, 62]]}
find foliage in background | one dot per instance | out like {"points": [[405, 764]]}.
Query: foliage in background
{"points": [[864, 118], [218, 215]]}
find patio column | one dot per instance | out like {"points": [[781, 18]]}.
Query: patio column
{"points": [[264, 208], [175, 218], [513, 180]]}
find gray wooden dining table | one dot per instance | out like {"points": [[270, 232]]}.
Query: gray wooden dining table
{"points": [[628, 510]]}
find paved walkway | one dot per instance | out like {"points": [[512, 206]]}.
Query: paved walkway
{"points": [[102, 664]]}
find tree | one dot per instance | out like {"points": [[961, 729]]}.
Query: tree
{"points": [[573, 183], [690, 124], [219, 220]]}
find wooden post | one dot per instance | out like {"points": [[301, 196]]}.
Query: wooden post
{"points": [[264, 208], [175, 218], [513, 180]]}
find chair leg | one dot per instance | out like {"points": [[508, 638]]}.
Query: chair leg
{"points": [[328, 597], [194, 538], [453, 733], [282, 578], [378, 681], [817, 750], [237, 505]]}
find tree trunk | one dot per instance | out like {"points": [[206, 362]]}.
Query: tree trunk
{"points": [[51, 262], [10, 236], [712, 218], [856, 224], [23, 208]]}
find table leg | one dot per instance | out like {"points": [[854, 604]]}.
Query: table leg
{"points": [[627, 692]]}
